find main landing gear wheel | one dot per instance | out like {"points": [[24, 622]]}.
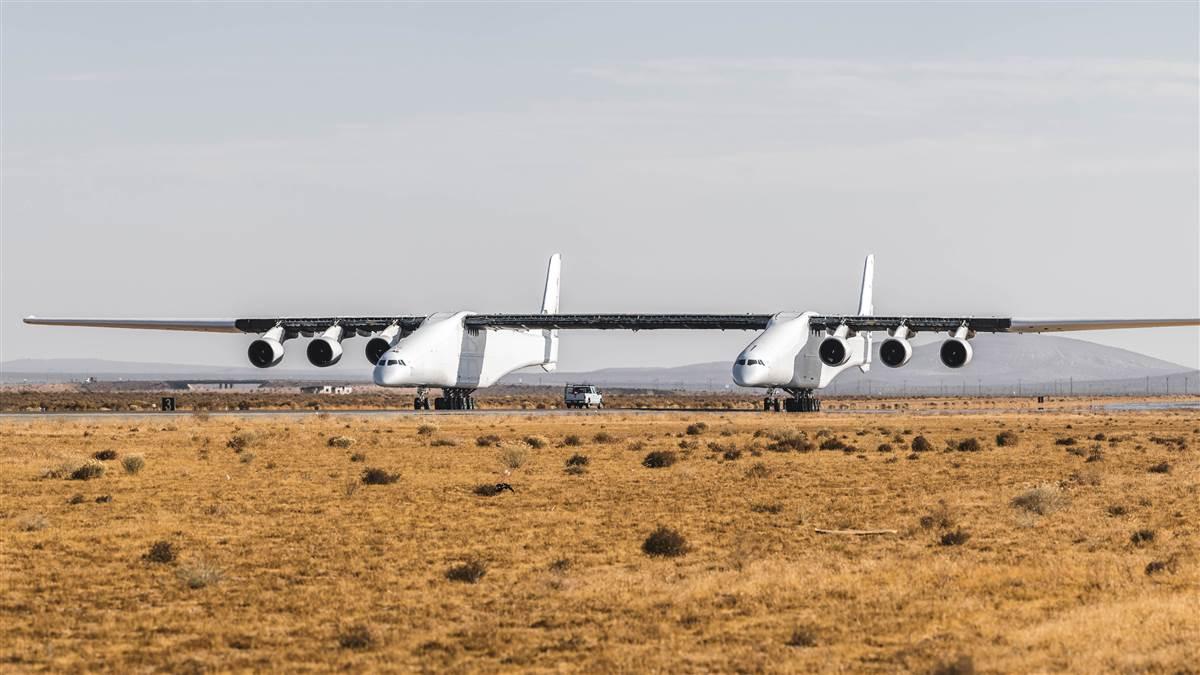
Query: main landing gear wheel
{"points": [[802, 400], [455, 399]]}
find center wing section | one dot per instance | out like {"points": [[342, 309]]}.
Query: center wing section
{"points": [[633, 322]]}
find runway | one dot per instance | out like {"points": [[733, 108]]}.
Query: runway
{"points": [[1127, 406]]}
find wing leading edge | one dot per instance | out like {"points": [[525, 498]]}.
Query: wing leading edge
{"points": [[976, 324]]}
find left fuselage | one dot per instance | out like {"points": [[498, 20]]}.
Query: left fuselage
{"points": [[442, 352]]}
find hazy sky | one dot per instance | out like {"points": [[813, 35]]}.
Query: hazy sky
{"points": [[289, 159]]}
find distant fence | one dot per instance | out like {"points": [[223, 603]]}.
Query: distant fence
{"points": [[1163, 385]]}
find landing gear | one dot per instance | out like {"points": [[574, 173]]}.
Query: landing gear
{"points": [[421, 402], [802, 400], [455, 399]]}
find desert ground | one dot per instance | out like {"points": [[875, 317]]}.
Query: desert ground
{"points": [[1008, 541]]}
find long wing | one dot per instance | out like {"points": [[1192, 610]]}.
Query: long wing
{"points": [[293, 325], [989, 324]]}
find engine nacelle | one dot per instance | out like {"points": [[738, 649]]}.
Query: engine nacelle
{"points": [[378, 345], [267, 350], [326, 350], [956, 352], [834, 350], [895, 352]]}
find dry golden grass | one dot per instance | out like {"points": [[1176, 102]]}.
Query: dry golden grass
{"points": [[290, 562]]}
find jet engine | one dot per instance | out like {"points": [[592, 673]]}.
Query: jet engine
{"points": [[326, 350], [896, 350], [378, 345], [267, 350], [834, 350], [956, 352]]}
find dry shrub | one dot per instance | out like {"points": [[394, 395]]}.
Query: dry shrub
{"points": [[731, 454], [939, 517], [374, 476], [921, 444], [32, 522], [771, 508], [659, 459], [1043, 499], [575, 470], [696, 429], [791, 441], [1175, 442], [357, 636], [512, 458], [963, 665], [76, 498], [247, 457], [885, 447], [239, 442], [832, 443], [664, 543], [802, 636], [103, 499], [358, 457], [342, 442], [1068, 441], [758, 470], [535, 442], [443, 443], [1117, 510], [133, 463], [1007, 439], [487, 441], [199, 574], [572, 440], [469, 572], [637, 446], [1156, 566], [162, 552], [578, 460], [955, 538], [427, 430], [105, 455], [969, 445], [87, 471], [1142, 537], [603, 437], [491, 489], [1161, 467]]}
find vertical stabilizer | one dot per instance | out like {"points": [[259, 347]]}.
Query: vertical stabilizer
{"points": [[866, 306], [550, 297], [550, 306]]}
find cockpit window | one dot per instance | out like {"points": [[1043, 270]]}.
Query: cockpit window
{"points": [[740, 362], [390, 362]]}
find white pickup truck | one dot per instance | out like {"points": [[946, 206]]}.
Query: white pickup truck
{"points": [[582, 396]]}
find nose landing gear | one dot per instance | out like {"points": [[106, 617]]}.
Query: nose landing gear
{"points": [[421, 402]]}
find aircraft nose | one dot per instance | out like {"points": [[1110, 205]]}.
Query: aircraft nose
{"points": [[390, 376], [748, 376]]}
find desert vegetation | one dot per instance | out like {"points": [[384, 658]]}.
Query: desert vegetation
{"points": [[652, 542]]}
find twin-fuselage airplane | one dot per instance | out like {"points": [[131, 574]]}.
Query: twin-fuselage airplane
{"points": [[460, 352]]}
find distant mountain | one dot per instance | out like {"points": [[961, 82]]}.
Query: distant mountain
{"points": [[65, 370], [1002, 364]]}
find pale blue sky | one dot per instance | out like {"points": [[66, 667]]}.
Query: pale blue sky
{"points": [[217, 160]]}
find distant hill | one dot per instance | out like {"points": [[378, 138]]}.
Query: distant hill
{"points": [[1002, 363]]}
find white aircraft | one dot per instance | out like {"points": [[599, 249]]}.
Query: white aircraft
{"points": [[459, 352]]}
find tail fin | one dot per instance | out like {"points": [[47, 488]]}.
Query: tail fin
{"points": [[866, 306], [550, 306], [550, 297]]}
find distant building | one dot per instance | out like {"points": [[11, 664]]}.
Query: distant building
{"points": [[223, 386], [327, 389]]}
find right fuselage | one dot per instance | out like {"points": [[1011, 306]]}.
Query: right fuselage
{"points": [[786, 356]]}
